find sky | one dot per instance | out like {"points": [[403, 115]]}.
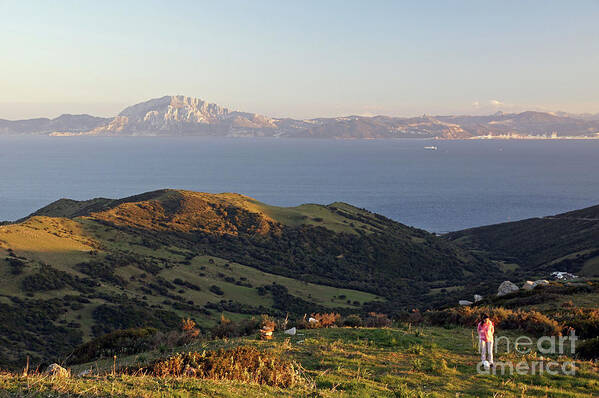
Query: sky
{"points": [[300, 58]]}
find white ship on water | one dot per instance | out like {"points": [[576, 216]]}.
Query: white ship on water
{"points": [[430, 148]]}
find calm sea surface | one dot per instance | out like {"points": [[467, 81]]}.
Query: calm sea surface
{"points": [[462, 184]]}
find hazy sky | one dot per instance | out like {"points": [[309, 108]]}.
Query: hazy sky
{"points": [[300, 58]]}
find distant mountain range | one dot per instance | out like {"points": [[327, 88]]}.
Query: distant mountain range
{"points": [[180, 115]]}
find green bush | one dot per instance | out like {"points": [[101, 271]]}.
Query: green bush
{"points": [[101, 270], [217, 290], [417, 349], [49, 279], [352, 320], [588, 349], [16, 265], [584, 320], [119, 342], [226, 328], [376, 320]]}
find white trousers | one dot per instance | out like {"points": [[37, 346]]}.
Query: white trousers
{"points": [[486, 351]]}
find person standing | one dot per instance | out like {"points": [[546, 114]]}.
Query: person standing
{"points": [[486, 331]]}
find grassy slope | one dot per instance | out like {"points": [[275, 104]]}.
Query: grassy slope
{"points": [[338, 362], [335, 257], [66, 233], [63, 243], [539, 245]]}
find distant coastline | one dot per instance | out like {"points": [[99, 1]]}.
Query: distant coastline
{"points": [[533, 137], [187, 116]]}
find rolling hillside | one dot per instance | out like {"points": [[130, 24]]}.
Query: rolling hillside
{"points": [[565, 242], [74, 270]]}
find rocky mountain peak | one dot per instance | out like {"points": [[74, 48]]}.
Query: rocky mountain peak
{"points": [[175, 108]]}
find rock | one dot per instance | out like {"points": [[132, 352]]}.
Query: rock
{"points": [[465, 302], [56, 370], [477, 298], [506, 287], [83, 373], [541, 282], [291, 331], [312, 320], [528, 285]]}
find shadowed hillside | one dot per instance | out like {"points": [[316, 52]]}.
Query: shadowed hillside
{"points": [[565, 242]]}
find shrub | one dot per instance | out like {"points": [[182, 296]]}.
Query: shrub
{"points": [[376, 320], [417, 349], [584, 320], [188, 327], [224, 328], [268, 323], [49, 279], [245, 364], [327, 320], [417, 364], [217, 290], [101, 270], [568, 304], [16, 265], [588, 349], [187, 284], [353, 321], [227, 328], [119, 342], [532, 322], [439, 367]]}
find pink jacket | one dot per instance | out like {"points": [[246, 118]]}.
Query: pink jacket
{"points": [[486, 331]]}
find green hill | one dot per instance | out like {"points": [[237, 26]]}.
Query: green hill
{"points": [[565, 242], [74, 270]]}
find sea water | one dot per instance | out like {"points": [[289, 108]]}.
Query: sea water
{"points": [[461, 184]]}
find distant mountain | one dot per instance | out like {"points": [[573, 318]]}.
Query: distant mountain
{"points": [[180, 115], [525, 124], [583, 116], [71, 123]]}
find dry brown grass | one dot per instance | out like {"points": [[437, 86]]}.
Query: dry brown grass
{"points": [[244, 363]]}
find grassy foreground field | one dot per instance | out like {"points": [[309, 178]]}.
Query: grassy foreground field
{"points": [[337, 362]]}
